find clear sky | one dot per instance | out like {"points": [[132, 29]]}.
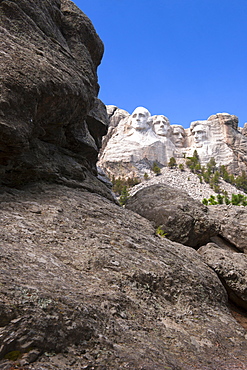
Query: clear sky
{"points": [[186, 59]]}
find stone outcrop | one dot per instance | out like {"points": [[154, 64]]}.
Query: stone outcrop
{"points": [[232, 270], [182, 218], [217, 137], [51, 122], [233, 224], [85, 283], [115, 115]]}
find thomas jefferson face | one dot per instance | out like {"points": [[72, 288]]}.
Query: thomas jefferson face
{"points": [[178, 136], [161, 126], [139, 119], [200, 135]]}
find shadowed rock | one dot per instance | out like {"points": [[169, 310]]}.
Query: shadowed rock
{"points": [[233, 224], [99, 289], [182, 218], [231, 268], [51, 121]]}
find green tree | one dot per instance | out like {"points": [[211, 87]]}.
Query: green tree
{"points": [[220, 198], [124, 196], [172, 163], [224, 173], [193, 162], [146, 177], [236, 199], [196, 156], [206, 177], [132, 181], [227, 200], [118, 185], [241, 181], [197, 168], [232, 179], [212, 200], [181, 167], [156, 169], [211, 165]]}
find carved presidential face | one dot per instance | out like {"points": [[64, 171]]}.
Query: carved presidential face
{"points": [[200, 135], [139, 119], [161, 126], [178, 134]]}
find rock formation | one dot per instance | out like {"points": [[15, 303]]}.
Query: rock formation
{"points": [[182, 218], [217, 137], [232, 270], [99, 289], [84, 283], [233, 221], [51, 122]]}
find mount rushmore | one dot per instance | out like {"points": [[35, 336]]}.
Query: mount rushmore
{"points": [[136, 141]]}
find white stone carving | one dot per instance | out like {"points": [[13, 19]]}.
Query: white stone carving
{"points": [[199, 131], [139, 139], [178, 136], [135, 142], [161, 126]]}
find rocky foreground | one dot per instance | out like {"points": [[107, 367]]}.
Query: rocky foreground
{"points": [[86, 284]]}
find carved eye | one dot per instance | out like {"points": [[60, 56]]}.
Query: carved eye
{"points": [[134, 115]]}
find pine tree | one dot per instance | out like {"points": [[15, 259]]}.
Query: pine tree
{"points": [[172, 162], [156, 169], [124, 196]]}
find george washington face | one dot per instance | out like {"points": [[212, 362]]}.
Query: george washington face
{"points": [[139, 119]]}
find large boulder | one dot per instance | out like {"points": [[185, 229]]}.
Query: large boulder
{"points": [[231, 268], [233, 224], [182, 218], [51, 121], [86, 284]]}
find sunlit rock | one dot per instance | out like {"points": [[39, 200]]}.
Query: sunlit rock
{"points": [[136, 145]]}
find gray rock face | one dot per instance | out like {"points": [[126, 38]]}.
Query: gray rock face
{"points": [[184, 219], [51, 122], [232, 270], [99, 289], [233, 224]]}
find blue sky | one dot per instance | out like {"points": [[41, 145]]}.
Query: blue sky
{"points": [[185, 59]]}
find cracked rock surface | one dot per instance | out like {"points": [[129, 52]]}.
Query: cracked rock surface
{"points": [[87, 284]]}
